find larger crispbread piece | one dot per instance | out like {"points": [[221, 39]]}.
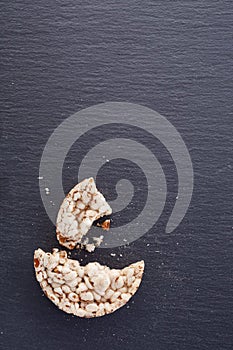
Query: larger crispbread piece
{"points": [[85, 291], [82, 206]]}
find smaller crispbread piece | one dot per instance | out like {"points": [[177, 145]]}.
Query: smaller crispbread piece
{"points": [[85, 291], [83, 205]]}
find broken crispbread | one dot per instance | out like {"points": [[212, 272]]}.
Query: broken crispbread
{"points": [[83, 205], [85, 291]]}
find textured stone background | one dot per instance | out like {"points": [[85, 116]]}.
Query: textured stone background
{"points": [[176, 57]]}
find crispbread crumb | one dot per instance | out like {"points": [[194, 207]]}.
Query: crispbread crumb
{"points": [[105, 225], [90, 247], [98, 240]]}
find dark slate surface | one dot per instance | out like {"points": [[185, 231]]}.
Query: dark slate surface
{"points": [[58, 57]]}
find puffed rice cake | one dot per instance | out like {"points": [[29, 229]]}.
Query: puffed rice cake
{"points": [[85, 291], [81, 207]]}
